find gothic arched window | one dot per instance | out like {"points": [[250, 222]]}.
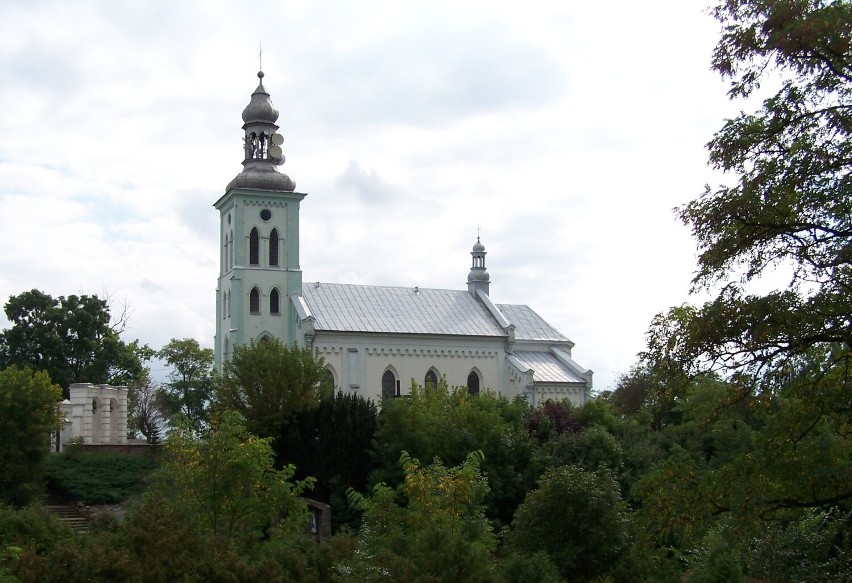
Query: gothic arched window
{"points": [[273, 248], [254, 301], [274, 301], [254, 247], [473, 383], [388, 385], [431, 380]]}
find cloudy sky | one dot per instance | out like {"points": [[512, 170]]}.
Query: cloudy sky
{"points": [[567, 131]]}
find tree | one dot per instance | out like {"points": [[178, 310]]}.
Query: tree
{"points": [[333, 443], [71, 339], [29, 412], [441, 535], [791, 204], [190, 387], [577, 517], [268, 383], [144, 409], [787, 351], [449, 425], [228, 480]]}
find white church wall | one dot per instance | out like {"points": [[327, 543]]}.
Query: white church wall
{"points": [[359, 361]]}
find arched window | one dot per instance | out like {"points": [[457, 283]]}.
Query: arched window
{"points": [[327, 382], [388, 385], [97, 423], [254, 247], [224, 305], [431, 381], [473, 383], [254, 301], [273, 248], [265, 340], [231, 250], [228, 302], [274, 300]]}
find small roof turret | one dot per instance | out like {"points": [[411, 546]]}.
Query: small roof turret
{"points": [[478, 277]]}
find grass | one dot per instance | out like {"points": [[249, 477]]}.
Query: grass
{"points": [[98, 478]]}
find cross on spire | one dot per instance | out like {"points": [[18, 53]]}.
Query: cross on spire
{"points": [[260, 56]]}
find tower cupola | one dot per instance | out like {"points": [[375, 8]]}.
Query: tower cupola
{"points": [[262, 146], [478, 277]]}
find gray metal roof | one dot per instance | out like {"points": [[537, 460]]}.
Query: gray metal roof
{"points": [[546, 367], [397, 310], [529, 325]]}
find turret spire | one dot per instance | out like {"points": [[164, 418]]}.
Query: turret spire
{"points": [[478, 277]]}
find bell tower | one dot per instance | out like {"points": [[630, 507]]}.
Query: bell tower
{"points": [[259, 240]]}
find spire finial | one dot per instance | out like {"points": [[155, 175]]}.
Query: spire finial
{"points": [[260, 57], [477, 232]]}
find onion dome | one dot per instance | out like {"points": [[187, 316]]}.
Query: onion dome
{"points": [[260, 108]]}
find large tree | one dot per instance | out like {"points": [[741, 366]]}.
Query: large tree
{"points": [[789, 207], [29, 412], [783, 346], [73, 339]]}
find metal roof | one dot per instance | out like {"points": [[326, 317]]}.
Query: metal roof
{"points": [[529, 325], [546, 367], [397, 310]]}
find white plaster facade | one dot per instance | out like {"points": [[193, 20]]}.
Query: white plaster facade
{"points": [[95, 413]]}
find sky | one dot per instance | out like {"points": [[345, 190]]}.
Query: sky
{"points": [[566, 132]]}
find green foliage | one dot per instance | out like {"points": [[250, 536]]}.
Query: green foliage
{"points": [[753, 386], [69, 338], [808, 545], [98, 478], [535, 568], [268, 383], [32, 528], [442, 534], [332, 443], [190, 387], [451, 424], [29, 412], [592, 449], [715, 562], [578, 518], [228, 480]]}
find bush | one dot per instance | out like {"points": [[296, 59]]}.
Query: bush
{"points": [[578, 518], [98, 478]]}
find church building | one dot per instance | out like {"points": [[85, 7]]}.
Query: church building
{"points": [[374, 339]]}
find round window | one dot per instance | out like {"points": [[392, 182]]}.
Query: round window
{"points": [[265, 214]]}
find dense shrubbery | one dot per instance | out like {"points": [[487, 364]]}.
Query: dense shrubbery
{"points": [[98, 478]]}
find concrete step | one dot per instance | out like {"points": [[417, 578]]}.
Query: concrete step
{"points": [[67, 513]]}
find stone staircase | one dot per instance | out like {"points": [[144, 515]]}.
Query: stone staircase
{"points": [[70, 514]]}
